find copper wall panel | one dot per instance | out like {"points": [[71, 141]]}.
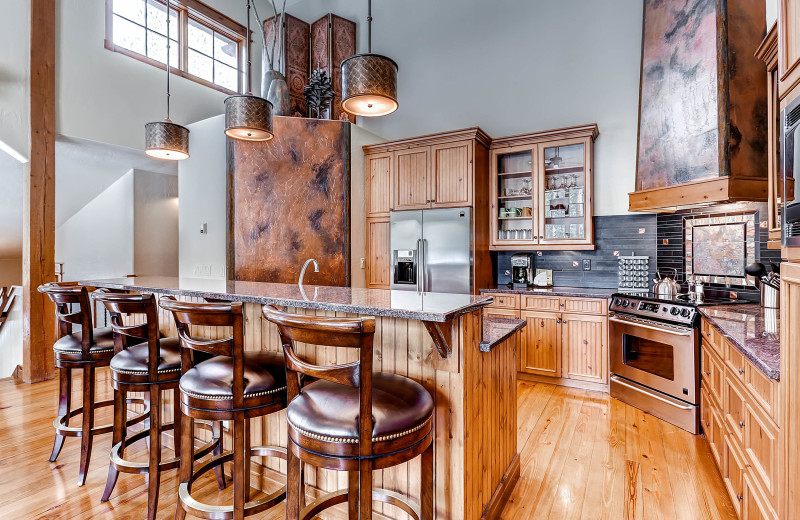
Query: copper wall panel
{"points": [[333, 39], [289, 201], [296, 43], [702, 110]]}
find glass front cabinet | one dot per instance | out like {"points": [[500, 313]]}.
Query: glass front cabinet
{"points": [[541, 190]]}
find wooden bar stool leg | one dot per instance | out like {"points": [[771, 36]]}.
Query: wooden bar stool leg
{"points": [[352, 495], [187, 455], [427, 486], [247, 444], [219, 471], [88, 422], [64, 401], [154, 473], [116, 437], [239, 455], [293, 485], [176, 421], [365, 490]]}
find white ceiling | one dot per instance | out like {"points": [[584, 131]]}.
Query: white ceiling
{"points": [[84, 169]]}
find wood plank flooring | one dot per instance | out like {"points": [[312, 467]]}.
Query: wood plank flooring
{"points": [[583, 456]]}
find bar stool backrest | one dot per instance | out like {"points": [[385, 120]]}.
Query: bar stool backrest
{"points": [[333, 332], [118, 304], [216, 314], [63, 294]]}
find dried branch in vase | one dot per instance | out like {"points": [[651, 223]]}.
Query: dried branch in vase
{"points": [[318, 93]]}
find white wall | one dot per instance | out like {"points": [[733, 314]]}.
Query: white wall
{"points": [[106, 96], [97, 242], [11, 338], [202, 191], [511, 67], [14, 77], [10, 272], [358, 238], [772, 12], [155, 225]]}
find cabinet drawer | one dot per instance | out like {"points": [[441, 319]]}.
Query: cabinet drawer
{"points": [[733, 469], [733, 407], [543, 303], [762, 389], [712, 336], [712, 373], [755, 506], [761, 450], [734, 360], [496, 312], [585, 305], [504, 300], [712, 426]]}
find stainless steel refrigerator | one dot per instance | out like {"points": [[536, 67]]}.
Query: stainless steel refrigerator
{"points": [[432, 250]]}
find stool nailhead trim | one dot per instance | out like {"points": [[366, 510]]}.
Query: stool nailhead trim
{"points": [[230, 397], [352, 440]]}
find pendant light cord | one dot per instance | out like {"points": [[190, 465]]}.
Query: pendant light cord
{"points": [[168, 49], [369, 26]]}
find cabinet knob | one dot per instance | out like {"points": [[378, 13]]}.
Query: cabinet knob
{"points": [[708, 424], [741, 424], [741, 371], [708, 373], [739, 497]]}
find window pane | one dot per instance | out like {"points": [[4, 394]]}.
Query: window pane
{"points": [[130, 9], [157, 49], [200, 65], [157, 19], [226, 50], [225, 76], [128, 35], [200, 38]]}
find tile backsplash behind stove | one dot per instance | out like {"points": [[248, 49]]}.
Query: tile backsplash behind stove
{"points": [[622, 234]]}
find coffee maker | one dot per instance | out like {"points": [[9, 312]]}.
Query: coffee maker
{"points": [[522, 269]]}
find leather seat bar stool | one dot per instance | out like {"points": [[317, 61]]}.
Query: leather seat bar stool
{"points": [[85, 350], [151, 367], [348, 418], [235, 386]]}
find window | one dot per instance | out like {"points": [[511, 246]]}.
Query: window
{"points": [[205, 45]]}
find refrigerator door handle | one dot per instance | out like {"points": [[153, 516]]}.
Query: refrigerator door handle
{"points": [[420, 285], [424, 263]]}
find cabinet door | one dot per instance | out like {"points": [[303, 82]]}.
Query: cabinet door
{"points": [[762, 450], [451, 179], [585, 347], [788, 45], [378, 254], [755, 506], [541, 344], [712, 373], [411, 179], [378, 185], [733, 469], [565, 192], [512, 193]]}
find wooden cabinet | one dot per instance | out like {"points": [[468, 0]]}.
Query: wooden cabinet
{"points": [[378, 254], [541, 344], [541, 190], [788, 45], [378, 184], [744, 437], [570, 348], [585, 347], [789, 392], [445, 170]]}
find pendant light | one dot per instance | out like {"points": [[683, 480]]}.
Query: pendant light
{"points": [[164, 139], [248, 117], [369, 81]]}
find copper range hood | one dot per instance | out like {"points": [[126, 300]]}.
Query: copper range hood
{"points": [[702, 106]]}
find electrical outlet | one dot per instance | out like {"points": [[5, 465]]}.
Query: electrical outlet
{"points": [[587, 264], [363, 263]]}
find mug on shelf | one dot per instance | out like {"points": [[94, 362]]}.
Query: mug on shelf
{"points": [[527, 211], [513, 212], [503, 213]]}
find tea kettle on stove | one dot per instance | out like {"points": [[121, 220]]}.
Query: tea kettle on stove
{"points": [[666, 287]]}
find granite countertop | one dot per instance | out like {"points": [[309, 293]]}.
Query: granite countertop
{"points": [[753, 330], [497, 330], [435, 307], [575, 292]]}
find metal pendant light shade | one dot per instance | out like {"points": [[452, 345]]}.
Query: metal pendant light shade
{"points": [[166, 140], [369, 85], [248, 118]]}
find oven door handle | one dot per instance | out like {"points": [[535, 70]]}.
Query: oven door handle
{"points": [[645, 326], [619, 381]]}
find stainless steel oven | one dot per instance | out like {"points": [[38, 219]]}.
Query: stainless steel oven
{"points": [[655, 363], [789, 191]]}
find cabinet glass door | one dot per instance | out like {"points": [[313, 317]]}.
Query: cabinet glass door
{"points": [[515, 199], [564, 193]]}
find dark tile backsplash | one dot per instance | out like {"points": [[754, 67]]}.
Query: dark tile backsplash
{"points": [[612, 233]]}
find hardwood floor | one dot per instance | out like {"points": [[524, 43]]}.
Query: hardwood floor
{"points": [[583, 455]]}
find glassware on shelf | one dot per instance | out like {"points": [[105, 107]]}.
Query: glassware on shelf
{"points": [[576, 195]]}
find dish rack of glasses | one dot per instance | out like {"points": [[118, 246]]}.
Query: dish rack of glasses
{"points": [[634, 273]]}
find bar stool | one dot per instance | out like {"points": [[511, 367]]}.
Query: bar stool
{"points": [[150, 367], [85, 350], [351, 419], [232, 386]]}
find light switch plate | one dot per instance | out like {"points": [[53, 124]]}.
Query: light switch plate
{"points": [[363, 263], [587, 264]]}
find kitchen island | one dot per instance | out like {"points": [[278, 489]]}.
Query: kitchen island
{"points": [[436, 339]]}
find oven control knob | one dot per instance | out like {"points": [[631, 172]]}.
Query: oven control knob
{"points": [[675, 311], [625, 303], [685, 313], [618, 302]]}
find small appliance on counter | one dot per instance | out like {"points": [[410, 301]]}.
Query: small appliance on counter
{"points": [[522, 270]]}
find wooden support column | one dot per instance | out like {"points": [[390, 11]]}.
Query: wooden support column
{"points": [[38, 249]]}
